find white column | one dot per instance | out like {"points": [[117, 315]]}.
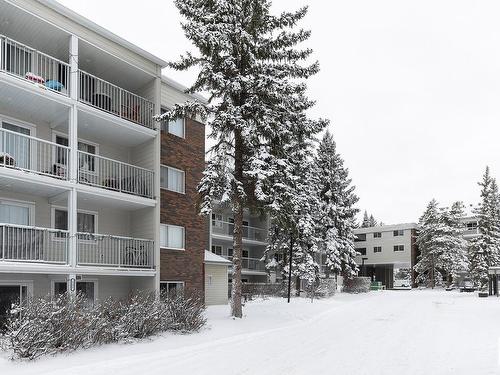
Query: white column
{"points": [[156, 168], [73, 63]]}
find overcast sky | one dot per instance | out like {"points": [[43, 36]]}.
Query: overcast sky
{"points": [[412, 89]]}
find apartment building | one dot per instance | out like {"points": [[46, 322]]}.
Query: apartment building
{"points": [[255, 228], [82, 193], [387, 254]]}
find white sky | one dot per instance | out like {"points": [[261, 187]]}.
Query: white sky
{"points": [[412, 89]]}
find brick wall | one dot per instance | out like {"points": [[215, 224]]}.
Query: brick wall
{"points": [[187, 154]]}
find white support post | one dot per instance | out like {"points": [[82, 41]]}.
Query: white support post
{"points": [[157, 194], [73, 64], [72, 228], [71, 285]]}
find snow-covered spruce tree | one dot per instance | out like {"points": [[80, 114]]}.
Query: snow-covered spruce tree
{"points": [[453, 254], [366, 220], [372, 222], [336, 212], [428, 245], [250, 67], [484, 250]]}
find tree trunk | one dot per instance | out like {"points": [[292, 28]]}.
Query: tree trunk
{"points": [[236, 308], [290, 269]]}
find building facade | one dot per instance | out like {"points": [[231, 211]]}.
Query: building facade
{"points": [[387, 254], [255, 229], [90, 184]]}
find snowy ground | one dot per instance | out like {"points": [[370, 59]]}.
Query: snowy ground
{"points": [[390, 332]]}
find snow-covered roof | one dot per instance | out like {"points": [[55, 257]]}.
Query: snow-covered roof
{"points": [[386, 228], [216, 259]]}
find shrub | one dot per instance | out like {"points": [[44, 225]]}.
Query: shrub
{"points": [[52, 325], [357, 285], [253, 290]]}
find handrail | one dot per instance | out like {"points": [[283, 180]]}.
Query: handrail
{"points": [[114, 160], [34, 138]]}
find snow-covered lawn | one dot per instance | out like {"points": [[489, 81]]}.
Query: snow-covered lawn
{"points": [[390, 332]]}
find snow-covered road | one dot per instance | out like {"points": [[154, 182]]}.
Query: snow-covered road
{"points": [[405, 332]]}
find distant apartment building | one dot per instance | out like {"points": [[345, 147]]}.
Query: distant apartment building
{"points": [[255, 230], [95, 195], [387, 254]]}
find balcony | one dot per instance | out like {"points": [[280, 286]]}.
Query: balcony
{"points": [[31, 244], [249, 233], [251, 264], [114, 175], [26, 153], [34, 66], [114, 251], [109, 98], [30, 154]]}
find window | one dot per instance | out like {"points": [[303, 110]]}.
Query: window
{"points": [[399, 247], [10, 293], [230, 252], [172, 237], [377, 235], [361, 250], [472, 225], [217, 220], [17, 146], [244, 253], [360, 237], [171, 287], [12, 212], [398, 233], [87, 288], [86, 161], [377, 249], [175, 127], [172, 179], [217, 249], [86, 222]]}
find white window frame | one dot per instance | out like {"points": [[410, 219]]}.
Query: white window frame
{"points": [[400, 233], [62, 208], [377, 234], [56, 134], [184, 179], [174, 282], [20, 283], [167, 126], [22, 124], [83, 280], [216, 222], [183, 239], [26, 204], [221, 250], [377, 249]]}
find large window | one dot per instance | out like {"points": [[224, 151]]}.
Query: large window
{"points": [[86, 161], [17, 146], [172, 179], [86, 288], [217, 249], [360, 237], [15, 212], [361, 250], [86, 222], [175, 127], [377, 235], [172, 237], [398, 233], [377, 249], [217, 220]]}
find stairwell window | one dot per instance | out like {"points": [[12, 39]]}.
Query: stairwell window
{"points": [[377, 235], [399, 247], [398, 233], [172, 179], [377, 249], [172, 237]]}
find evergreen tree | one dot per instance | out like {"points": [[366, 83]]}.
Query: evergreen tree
{"points": [[429, 245], [484, 250], [366, 220], [251, 68], [372, 222], [453, 257], [336, 214]]}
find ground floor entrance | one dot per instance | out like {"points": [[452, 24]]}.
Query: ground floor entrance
{"points": [[10, 294], [392, 276]]}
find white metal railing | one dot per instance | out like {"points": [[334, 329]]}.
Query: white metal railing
{"points": [[227, 228], [254, 264], [32, 154], [116, 251], [111, 174], [34, 66], [31, 244], [469, 231], [113, 99]]}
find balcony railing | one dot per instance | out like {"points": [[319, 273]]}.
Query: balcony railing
{"points": [[249, 233], [253, 264], [114, 251], [32, 154], [114, 175], [31, 244], [101, 94], [34, 66], [470, 231]]}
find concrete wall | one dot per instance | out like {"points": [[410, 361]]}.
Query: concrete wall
{"points": [[216, 281]]}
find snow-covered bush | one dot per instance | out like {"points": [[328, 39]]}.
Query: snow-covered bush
{"points": [[52, 325], [323, 289], [253, 290], [357, 285]]}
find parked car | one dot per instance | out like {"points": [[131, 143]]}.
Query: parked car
{"points": [[467, 286]]}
